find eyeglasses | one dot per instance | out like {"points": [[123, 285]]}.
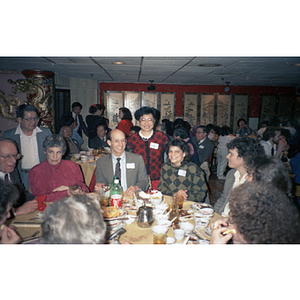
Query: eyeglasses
{"points": [[8, 157], [35, 119]]}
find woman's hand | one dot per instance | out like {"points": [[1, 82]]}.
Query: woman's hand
{"points": [[182, 193], [218, 238]]}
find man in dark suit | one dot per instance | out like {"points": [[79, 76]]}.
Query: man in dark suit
{"points": [[79, 124], [204, 145], [133, 170], [8, 159], [29, 138]]}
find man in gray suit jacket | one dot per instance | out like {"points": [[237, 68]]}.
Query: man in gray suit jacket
{"points": [[133, 170], [29, 138]]}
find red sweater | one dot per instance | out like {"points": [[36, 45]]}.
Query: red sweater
{"points": [[44, 178], [152, 151]]}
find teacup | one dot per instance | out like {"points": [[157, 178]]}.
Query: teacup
{"points": [[201, 222], [186, 226], [161, 206], [159, 234], [157, 212], [179, 234], [160, 216], [84, 158], [163, 222]]}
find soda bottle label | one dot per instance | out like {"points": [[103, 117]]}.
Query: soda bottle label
{"points": [[116, 200]]}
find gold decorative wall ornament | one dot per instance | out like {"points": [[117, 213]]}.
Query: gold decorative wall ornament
{"points": [[8, 106], [39, 87]]}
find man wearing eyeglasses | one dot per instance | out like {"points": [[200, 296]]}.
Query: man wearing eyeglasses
{"points": [[29, 138], [9, 156]]}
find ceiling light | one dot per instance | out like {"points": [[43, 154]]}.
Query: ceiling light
{"points": [[296, 65], [210, 65], [118, 63]]}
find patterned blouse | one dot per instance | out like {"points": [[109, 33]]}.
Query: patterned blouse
{"points": [[152, 151]]}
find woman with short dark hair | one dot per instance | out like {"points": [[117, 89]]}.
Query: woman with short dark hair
{"points": [[189, 178], [55, 177], [149, 143]]}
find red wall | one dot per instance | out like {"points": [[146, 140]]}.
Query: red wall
{"points": [[254, 91]]}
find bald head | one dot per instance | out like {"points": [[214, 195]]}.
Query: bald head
{"points": [[117, 142]]}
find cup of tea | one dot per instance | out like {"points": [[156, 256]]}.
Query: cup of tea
{"points": [[160, 234], [104, 197], [179, 199]]}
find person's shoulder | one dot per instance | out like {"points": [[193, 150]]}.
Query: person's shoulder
{"points": [[133, 155], [160, 135], [9, 132]]}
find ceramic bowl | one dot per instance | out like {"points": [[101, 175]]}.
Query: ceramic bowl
{"points": [[170, 240], [160, 229], [186, 226]]}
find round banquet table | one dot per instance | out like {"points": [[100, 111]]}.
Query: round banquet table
{"points": [[26, 226], [137, 235]]}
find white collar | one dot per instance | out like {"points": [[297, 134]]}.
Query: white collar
{"points": [[20, 131], [144, 137]]}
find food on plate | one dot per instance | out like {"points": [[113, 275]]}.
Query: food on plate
{"points": [[111, 212], [127, 199], [143, 196], [232, 230]]}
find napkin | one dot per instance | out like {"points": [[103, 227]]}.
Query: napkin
{"points": [[41, 199]]}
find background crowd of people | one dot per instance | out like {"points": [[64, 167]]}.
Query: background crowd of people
{"points": [[173, 157]]}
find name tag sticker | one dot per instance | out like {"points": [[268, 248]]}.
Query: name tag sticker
{"points": [[130, 165], [201, 147], [154, 145], [181, 172]]}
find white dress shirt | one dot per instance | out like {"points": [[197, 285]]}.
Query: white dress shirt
{"points": [[29, 148]]}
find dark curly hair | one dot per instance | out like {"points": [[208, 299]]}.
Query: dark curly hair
{"points": [[145, 110], [264, 214], [269, 169], [9, 195], [246, 147], [182, 145]]}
